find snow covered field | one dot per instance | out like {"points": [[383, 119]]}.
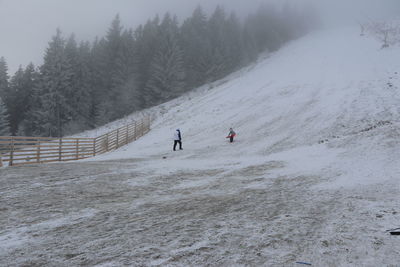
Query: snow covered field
{"points": [[313, 175]]}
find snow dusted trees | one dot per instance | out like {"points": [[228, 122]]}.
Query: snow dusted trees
{"points": [[4, 93], [4, 125], [167, 67], [3, 77], [78, 93], [55, 88], [28, 102], [388, 33], [16, 100], [197, 53], [4, 84], [83, 85], [114, 74]]}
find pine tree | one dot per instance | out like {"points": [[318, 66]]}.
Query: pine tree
{"points": [[167, 69], [15, 100], [250, 46], [121, 64], [35, 118], [4, 126], [125, 76], [86, 85], [99, 82], [7, 97], [220, 60], [114, 54], [197, 47], [27, 100], [3, 77], [55, 83], [78, 93], [147, 45], [265, 29], [86, 90], [234, 40]]}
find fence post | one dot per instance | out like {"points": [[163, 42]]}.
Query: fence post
{"points": [[126, 140], [124, 135], [107, 143], [135, 130], [38, 153], [77, 148], [94, 147], [60, 149], [117, 138], [12, 152]]}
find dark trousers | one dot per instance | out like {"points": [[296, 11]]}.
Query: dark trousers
{"points": [[231, 139], [178, 142]]}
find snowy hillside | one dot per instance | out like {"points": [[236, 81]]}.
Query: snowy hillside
{"points": [[313, 175], [328, 100]]}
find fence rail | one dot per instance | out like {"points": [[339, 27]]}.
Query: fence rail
{"points": [[17, 150]]}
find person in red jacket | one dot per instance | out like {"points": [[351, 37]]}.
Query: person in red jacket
{"points": [[231, 135]]}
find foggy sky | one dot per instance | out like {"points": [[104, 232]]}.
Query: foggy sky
{"points": [[26, 26]]}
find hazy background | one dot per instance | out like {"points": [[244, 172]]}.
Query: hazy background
{"points": [[26, 26]]}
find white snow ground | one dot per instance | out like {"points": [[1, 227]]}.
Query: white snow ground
{"points": [[311, 104], [313, 175]]}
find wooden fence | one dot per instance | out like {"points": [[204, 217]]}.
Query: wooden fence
{"points": [[16, 150]]}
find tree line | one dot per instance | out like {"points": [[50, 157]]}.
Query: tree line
{"points": [[83, 85]]}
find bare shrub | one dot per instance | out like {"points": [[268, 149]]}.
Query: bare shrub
{"points": [[386, 32]]}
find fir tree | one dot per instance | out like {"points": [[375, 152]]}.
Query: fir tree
{"points": [[121, 69], [147, 44], [99, 82], [84, 74], [4, 126], [77, 94], [15, 100], [55, 83], [35, 118], [167, 70], [235, 44], [197, 47], [86, 85], [3, 77], [220, 60], [114, 54], [27, 100], [125, 76]]}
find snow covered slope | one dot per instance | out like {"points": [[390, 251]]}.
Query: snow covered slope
{"points": [[313, 175], [328, 103]]}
